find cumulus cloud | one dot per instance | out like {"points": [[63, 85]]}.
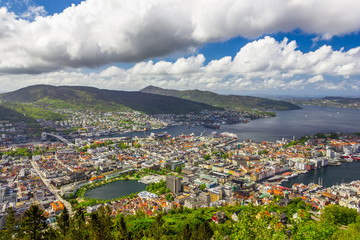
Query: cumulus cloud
{"points": [[264, 64], [98, 32], [33, 12], [317, 78]]}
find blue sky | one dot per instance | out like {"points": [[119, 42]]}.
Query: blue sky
{"points": [[238, 47], [50, 6]]}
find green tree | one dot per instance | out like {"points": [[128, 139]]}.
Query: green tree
{"points": [[320, 135], [339, 215], [124, 146], [206, 157], [169, 197], [78, 229], [202, 232], [11, 225], [63, 222], [121, 232], [185, 233], [334, 135], [34, 223], [257, 225], [352, 233], [157, 230], [313, 230], [178, 169], [52, 233], [100, 224], [202, 186]]}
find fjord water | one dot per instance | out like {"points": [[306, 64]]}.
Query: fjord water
{"points": [[306, 121], [328, 176]]}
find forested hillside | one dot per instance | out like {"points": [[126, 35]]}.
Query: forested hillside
{"points": [[294, 221]]}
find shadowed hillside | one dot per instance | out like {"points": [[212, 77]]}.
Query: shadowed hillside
{"points": [[227, 101], [90, 98]]}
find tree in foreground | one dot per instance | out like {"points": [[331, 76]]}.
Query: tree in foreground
{"points": [[202, 232], [339, 215], [33, 224], [157, 230], [185, 233], [310, 229], [101, 224], [78, 228], [121, 232], [11, 225], [352, 233], [258, 225], [63, 222]]}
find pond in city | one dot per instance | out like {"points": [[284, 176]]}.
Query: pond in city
{"points": [[115, 189]]}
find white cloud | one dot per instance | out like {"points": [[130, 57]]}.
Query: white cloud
{"points": [[324, 36], [333, 86], [180, 67], [34, 11], [264, 64], [221, 65], [97, 32], [112, 71], [315, 79]]}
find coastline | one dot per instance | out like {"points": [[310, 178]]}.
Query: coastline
{"points": [[329, 176]]}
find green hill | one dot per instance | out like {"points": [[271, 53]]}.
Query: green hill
{"points": [[9, 114], [227, 101], [28, 113], [34, 112], [90, 98], [341, 102], [342, 99]]}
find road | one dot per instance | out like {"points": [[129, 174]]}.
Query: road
{"points": [[61, 139], [54, 191]]}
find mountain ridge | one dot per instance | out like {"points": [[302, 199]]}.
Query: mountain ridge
{"points": [[226, 101], [80, 97]]}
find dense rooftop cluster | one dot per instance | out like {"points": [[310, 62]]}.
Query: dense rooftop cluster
{"points": [[199, 171]]}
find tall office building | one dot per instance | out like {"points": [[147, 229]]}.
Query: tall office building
{"points": [[173, 183], [43, 136]]}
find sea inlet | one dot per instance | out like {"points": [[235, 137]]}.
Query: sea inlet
{"points": [[329, 175], [287, 124]]}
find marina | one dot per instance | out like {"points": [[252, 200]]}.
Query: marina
{"points": [[328, 176]]}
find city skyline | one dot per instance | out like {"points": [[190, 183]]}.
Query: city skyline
{"points": [[233, 47]]}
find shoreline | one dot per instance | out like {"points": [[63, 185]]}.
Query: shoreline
{"points": [[324, 172], [85, 188]]}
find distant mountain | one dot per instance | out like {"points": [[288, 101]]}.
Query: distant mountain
{"points": [[90, 98], [341, 102], [343, 99], [227, 101]]}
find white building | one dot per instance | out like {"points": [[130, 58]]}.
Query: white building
{"points": [[147, 195]]}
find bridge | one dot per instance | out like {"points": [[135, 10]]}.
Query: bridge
{"points": [[61, 139]]}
